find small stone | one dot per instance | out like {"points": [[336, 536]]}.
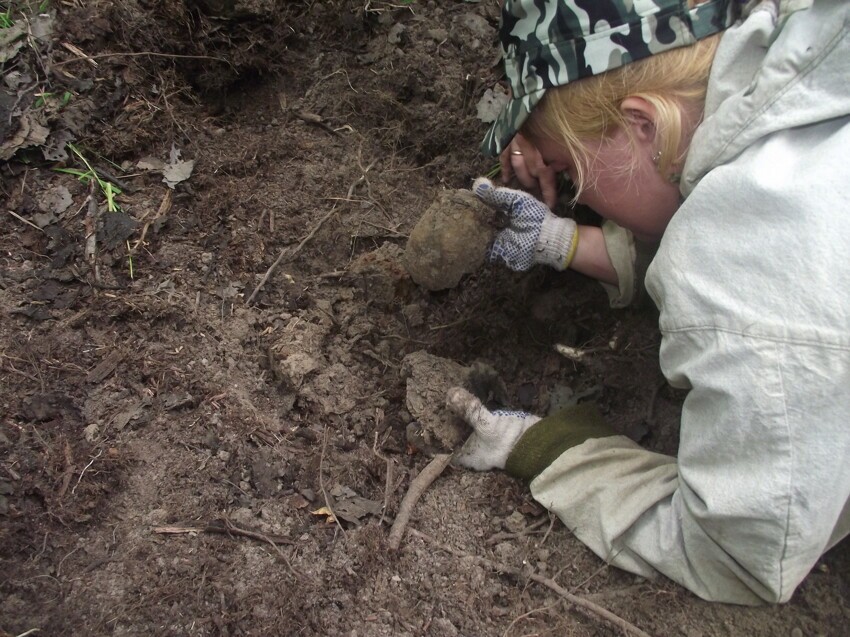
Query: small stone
{"points": [[90, 432], [413, 315], [796, 632], [515, 522], [158, 516], [442, 627], [438, 34], [309, 494]]}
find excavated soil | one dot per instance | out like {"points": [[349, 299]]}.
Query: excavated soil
{"points": [[194, 381]]}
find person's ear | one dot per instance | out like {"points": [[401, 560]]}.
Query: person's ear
{"points": [[641, 116]]}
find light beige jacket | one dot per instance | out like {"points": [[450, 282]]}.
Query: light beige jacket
{"points": [[752, 280]]}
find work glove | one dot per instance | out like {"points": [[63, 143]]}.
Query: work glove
{"points": [[534, 234], [519, 442], [495, 433]]}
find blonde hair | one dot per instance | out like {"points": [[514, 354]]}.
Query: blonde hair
{"points": [[589, 109]]}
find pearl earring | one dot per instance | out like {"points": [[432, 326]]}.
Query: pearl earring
{"points": [[656, 157]]}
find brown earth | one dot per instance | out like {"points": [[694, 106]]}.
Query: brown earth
{"points": [[152, 377]]}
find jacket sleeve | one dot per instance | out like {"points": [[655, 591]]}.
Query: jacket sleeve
{"points": [[745, 512], [630, 259]]}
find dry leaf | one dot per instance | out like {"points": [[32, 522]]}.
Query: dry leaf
{"points": [[325, 511]]}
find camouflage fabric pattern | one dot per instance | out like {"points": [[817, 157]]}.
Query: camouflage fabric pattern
{"points": [[552, 43]]}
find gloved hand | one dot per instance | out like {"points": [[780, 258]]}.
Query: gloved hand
{"points": [[534, 234], [495, 433]]}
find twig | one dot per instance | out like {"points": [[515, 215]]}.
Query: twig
{"points": [[360, 179], [316, 120], [106, 175], [389, 475], [289, 254], [650, 409], [62, 561], [589, 577], [322, 481], [84, 471], [528, 614], [79, 53], [552, 519], [12, 473], [68, 473], [230, 529], [394, 233], [419, 485], [575, 600], [101, 56], [225, 527], [574, 353], [501, 537], [20, 218], [164, 207], [91, 231]]}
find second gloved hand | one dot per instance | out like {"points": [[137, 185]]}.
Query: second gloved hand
{"points": [[534, 234], [495, 433]]}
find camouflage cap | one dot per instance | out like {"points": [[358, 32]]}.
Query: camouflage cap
{"points": [[551, 43]]}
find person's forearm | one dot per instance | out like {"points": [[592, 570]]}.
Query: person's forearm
{"points": [[591, 256]]}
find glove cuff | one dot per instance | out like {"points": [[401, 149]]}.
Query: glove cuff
{"points": [[547, 439], [557, 242]]}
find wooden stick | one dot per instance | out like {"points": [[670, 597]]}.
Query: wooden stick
{"points": [[91, 231], [285, 252], [388, 482], [164, 207], [419, 485], [101, 56], [225, 527], [575, 600], [29, 223], [327, 498]]}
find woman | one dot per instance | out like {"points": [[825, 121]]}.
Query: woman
{"points": [[722, 132]]}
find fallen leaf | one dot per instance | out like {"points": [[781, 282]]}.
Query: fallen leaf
{"points": [[10, 42], [325, 511], [491, 104], [177, 170], [55, 200], [30, 133], [54, 148], [116, 229], [41, 27], [150, 163], [298, 501], [351, 507]]}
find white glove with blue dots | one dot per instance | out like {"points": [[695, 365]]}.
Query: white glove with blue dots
{"points": [[534, 234]]}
